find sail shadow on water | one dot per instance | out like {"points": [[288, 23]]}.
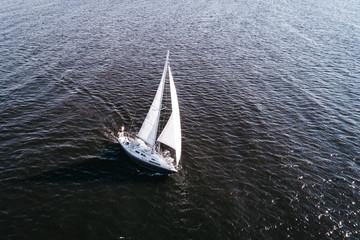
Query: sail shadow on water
{"points": [[111, 166]]}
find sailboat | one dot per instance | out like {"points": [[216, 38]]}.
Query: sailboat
{"points": [[147, 150]]}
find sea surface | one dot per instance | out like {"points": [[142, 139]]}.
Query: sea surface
{"points": [[269, 95]]}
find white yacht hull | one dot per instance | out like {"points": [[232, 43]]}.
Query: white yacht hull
{"points": [[142, 154]]}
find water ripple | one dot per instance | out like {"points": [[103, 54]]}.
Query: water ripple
{"points": [[269, 103]]}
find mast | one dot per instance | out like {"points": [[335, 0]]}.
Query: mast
{"points": [[171, 134]]}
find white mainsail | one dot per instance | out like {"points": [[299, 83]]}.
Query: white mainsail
{"points": [[149, 127], [171, 134]]}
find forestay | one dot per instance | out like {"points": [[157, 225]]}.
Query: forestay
{"points": [[150, 125]]}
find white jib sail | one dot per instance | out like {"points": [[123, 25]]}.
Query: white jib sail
{"points": [[149, 127], [171, 135]]}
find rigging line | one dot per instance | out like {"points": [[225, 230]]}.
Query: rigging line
{"points": [[164, 108], [166, 94]]}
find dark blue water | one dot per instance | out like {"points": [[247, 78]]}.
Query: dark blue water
{"points": [[269, 96]]}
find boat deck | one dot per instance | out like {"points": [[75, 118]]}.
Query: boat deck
{"points": [[144, 155]]}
